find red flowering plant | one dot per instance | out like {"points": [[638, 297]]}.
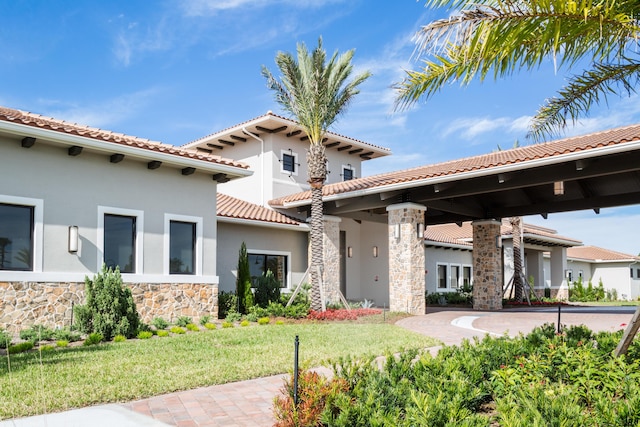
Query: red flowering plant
{"points": [[342, 314]]}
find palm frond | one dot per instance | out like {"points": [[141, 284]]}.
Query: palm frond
{"points": [[583, 91]]}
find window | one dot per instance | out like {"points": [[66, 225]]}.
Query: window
{"points": [[455, 276], [120, 242], [347, 172], [570, 276], [16, 237], [182, 247], [259, 264], [580, 275], [289, 162], [120, 239], [466, 276], [638, 273], [182, 244], [631, 269], [442, 276]]}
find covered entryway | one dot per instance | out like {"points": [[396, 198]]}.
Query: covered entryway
{"points": [[588, 172]]}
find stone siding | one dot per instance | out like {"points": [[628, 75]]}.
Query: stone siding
{"points": [[487, 266], [406, 259], [331, 258], [23, 304]]}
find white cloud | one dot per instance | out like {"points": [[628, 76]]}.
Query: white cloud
{"points": [[211, 7], [472, 127], [102, 115]]}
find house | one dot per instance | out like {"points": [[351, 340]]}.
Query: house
{"points": [[73, 198]]}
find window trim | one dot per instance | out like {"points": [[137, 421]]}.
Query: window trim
{"points": [[139, 215], [282, 253], [198, 221], [459, 279], [352, 169], [38, 229], [446, 272], [470, 267], [295, 162]]}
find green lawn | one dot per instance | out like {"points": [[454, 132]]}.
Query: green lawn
{"points": [[36, 383]]}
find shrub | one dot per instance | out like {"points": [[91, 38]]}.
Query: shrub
{"points": [[276, 309], [144, 335], [227, 324], [183, 321], [267, 289], [159, 323], [122, 338], [163, 333], [20, 348], [252, 317], [193, 327], [36, 333], [46, 348], [296, 311], [62, 343], [279, 322], [233, 316], [210, 326], [243, 281], [227, 302], [66, 335], [263, 321], [177, 330], [94, 338], [5, 339], [205, 319], [244, 323], [109, 309]]}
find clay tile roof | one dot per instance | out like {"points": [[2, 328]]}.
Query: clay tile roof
{"points": [[594, 253], [230, 207], [454, 234], [291, 123], [49, 123], [469, 164]]}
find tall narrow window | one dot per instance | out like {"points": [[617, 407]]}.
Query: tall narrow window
{"points": [[347, 174], [182, 238], [16, 237], [466, 276], [289, 162], [455, 276], [442, 276], [120, 242]]}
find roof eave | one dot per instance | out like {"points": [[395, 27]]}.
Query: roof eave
{"points": [[266, 224]]}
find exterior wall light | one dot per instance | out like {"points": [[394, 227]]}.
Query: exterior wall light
{"points": [[350, 252], [73, 239], [375, 252], [420, 230], [396, 231]]}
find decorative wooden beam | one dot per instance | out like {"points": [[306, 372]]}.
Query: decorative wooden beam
{"points": [[116, 158], [28, 141], [294, 133], [333, 144], [346, 147], [75, 150], [304, 138], [188, 171], [357, 150], [219, 147], [154, 164], [367, 154], [225, 142], [276, 130], [221, 178], [204, 150], [238, 138]]}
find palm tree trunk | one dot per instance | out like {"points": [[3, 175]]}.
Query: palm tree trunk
{"points": [[516, 233], [317, 162]]}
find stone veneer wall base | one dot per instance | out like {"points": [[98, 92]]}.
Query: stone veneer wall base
{"points": [[24, 304]]}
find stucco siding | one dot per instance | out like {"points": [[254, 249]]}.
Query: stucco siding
{"points": [[291, 243], [441, 256], [73, 188]]}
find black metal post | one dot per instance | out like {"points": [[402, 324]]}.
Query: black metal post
{"points": [[295, 371], [559, 327]]}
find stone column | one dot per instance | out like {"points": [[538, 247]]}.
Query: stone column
{"points": [[559, 286], [331, 258], [406, 258], [487, 265]]}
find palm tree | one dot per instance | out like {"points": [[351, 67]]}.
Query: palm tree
{"points": [[315, 91], [499, 37]]}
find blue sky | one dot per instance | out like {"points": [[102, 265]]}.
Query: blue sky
{"points": [[174, 71]]}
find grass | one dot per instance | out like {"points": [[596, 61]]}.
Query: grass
{"points": [[80, 376]]}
